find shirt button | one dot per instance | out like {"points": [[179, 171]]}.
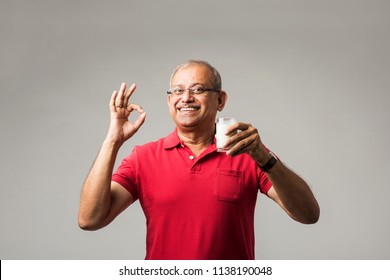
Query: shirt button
{"points": [[192, 157]]}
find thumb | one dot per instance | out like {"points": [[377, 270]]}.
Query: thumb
{"points": [[140, 120]]}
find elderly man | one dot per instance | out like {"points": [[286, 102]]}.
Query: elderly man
{"points": [[199, 203]]}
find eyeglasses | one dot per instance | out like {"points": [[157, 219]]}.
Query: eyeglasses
{"points": [[197, 90]]}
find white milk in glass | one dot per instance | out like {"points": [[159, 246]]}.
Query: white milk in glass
{"points": [[222, 126]]}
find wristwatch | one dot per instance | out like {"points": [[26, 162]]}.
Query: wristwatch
{"points": [[270, 163]]}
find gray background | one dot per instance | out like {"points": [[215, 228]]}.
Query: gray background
{"points": [[312, 76]]}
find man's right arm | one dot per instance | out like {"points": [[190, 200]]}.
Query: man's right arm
{"points": [[101, 199]]}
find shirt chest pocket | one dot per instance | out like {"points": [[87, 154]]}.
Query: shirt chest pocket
{"points": [[228, 185]]}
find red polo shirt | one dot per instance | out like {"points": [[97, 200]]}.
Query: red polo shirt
{"points": [[195, 208]]}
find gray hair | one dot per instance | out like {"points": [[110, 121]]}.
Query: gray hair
{"points": [[216, 80]]}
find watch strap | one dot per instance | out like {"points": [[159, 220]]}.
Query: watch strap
{"points": [[270, 163]]}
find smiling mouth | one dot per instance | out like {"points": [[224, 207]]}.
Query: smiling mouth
{"points": [[188, 109]]}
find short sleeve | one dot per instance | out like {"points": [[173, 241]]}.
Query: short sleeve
{"points": [[265, 183], [126, 174]]}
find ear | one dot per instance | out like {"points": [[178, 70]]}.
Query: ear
{"points": [[222, 98]]}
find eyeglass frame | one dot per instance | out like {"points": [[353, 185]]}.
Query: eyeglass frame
{"points": [[191, 90]]}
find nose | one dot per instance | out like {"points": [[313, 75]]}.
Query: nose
{"points": [[187, 96]]}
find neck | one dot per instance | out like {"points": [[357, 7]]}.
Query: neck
{"points": [[196, 141]]}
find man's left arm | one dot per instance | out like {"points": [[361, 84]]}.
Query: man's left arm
{"points": [[293, 194], [288, 190]]}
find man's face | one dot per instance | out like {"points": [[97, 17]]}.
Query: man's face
{"points": [[195, 111]]}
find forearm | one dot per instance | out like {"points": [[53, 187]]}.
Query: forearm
{"points": [[294, 195], [96, 194]]}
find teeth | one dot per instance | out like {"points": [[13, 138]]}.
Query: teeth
{"points": [[188, 109]]}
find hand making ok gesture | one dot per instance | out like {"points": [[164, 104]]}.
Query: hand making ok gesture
{"points": [[121, 128]]}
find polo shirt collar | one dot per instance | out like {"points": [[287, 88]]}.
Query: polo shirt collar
{"points": [[173, 140]]}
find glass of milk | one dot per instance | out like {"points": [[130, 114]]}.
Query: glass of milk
{"points": [[222, 126]]}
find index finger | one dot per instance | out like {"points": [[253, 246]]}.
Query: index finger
{"points": [[131, 107], [234, 128]]}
